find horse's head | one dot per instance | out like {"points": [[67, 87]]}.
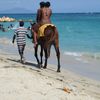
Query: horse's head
{"points": [[35, 26]]}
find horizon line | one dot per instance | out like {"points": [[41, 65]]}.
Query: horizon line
{"points": [[57, 13]]}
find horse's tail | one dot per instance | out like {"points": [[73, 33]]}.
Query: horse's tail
{"points": [[50, 33], [50, 36]]}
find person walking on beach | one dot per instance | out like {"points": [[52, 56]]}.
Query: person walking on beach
{"points": [[21, 41]]}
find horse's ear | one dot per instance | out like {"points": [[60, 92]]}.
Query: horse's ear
{"points": [[32, 23]]}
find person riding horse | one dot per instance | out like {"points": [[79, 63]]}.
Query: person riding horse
{"points": [[43, 17]]}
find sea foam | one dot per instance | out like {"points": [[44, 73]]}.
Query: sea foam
{"points": [[73, 54]]}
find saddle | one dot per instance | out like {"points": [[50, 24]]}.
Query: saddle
{"points": [[42, 28]]}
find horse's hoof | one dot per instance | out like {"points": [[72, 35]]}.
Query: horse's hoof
{"points": [[44, 67], [39, 66], [58, 70]]}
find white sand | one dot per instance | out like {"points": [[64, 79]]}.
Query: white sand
{"points": [[26, 82]]}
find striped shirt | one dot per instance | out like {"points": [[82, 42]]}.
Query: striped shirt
{"points": [[21, 32]]}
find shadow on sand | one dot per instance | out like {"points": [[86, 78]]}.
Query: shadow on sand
{"points": [[26, 63], [31, 65]]}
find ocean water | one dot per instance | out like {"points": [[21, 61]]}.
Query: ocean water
{"points": [[79, 34]]}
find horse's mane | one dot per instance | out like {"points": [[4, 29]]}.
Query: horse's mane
{"points": [[35, 26]]}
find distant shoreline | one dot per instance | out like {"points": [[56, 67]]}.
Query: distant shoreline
{"points": [[57, 13]]}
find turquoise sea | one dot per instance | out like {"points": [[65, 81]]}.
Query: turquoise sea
{"points": [[79, 33]]}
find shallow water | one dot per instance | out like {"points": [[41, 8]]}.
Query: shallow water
{"points": [[78, 33]]}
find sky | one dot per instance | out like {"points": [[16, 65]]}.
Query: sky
{"points": [[58, 6]]}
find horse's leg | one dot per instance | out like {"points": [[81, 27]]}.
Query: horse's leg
{"points": [[48, 49], [58, 56], [41, 55], [36, 56], [46, 58]]}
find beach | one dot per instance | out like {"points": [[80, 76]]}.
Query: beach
{"points": [[28, 82]]}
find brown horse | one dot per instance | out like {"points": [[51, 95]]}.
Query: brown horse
{"points": [[50, 38]]}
